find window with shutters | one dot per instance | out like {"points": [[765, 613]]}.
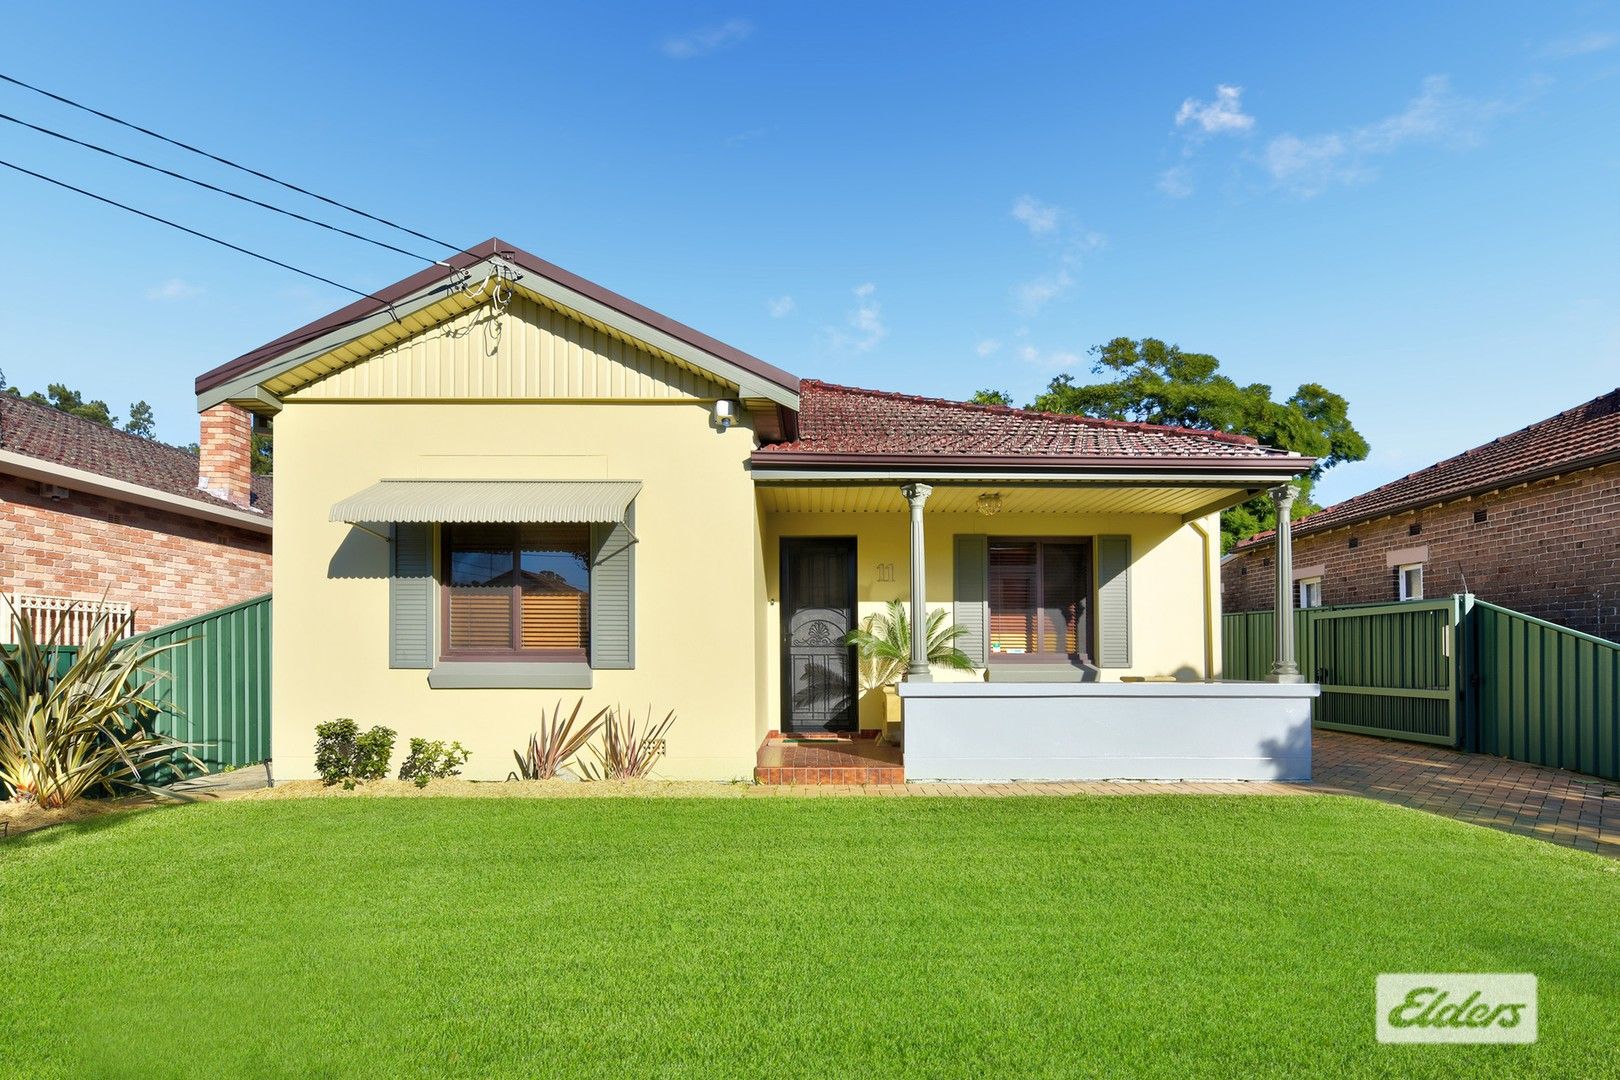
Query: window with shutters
{"points": [[1039, 600], [516, 591]]}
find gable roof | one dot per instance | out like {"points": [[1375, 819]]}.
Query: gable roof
{"points": [[856, 426], [56, 438], [553, 283], [1588, 434]]}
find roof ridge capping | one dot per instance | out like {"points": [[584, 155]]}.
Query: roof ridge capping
{"points": [[1068, 418]]}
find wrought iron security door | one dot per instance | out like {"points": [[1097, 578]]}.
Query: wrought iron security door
{"points": [[818, 608]]}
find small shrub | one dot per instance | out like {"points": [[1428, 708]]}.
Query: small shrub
{"points": [[433, 761], [556, 742], [373, 749], [627, 753], [344, 755]]}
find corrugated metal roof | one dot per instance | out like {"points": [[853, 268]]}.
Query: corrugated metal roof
{"points": [[489, 501]]}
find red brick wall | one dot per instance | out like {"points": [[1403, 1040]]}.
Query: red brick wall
{"points": [[225, 453], [167, 566], [1551, 550]]}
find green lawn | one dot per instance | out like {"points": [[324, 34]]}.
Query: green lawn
{"points": [[1173, 935]]}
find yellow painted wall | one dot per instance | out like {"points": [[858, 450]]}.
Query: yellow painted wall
{"points": [[1171, 578], [696, 573]]}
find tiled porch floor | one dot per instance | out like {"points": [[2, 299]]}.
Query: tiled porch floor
{"points": [[786, 760]]}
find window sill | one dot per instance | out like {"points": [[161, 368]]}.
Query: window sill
{"points": [[509, 675]]}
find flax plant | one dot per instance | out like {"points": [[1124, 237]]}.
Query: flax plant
{"points": [[628, 751], [556, 742], [65, 733]]}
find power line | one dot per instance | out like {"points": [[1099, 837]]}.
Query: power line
{"points": [[211, 187], [227, 162], [193, 232]]}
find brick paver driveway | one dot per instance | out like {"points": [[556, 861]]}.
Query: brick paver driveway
{"points": [[1566, 808]]}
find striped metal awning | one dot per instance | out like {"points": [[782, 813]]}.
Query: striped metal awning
{"points": [[489, 501]]}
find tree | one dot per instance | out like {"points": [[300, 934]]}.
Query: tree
{"points": [[1155, 383], [991, 397], [141, 421], [57, 396]]}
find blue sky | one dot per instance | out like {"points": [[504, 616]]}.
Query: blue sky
{"points": [[1417, 206]]}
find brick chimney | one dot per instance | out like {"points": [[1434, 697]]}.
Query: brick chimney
{"points": [[225, 458]]}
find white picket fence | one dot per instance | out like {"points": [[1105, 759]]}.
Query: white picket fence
{"points": [[77, 616]]}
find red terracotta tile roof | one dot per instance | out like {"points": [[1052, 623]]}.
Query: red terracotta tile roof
{"points": [[847, 420], [40, 431], [1585, 435]]}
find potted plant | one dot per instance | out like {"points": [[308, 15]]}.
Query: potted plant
{"points": [[883, 644]]}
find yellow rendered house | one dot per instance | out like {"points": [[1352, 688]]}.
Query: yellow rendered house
{"points": [[499, 486]]}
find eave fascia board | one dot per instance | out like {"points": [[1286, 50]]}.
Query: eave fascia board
{"points": [[1092, 478], [750, 387], [244, 385], [90, 483]]}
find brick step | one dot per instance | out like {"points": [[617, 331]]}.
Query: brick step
{"points": [[891, 774]]}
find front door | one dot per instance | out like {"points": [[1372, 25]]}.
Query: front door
{"points": [[818, 609]]}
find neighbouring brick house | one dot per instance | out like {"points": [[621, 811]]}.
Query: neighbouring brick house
{"points": [[1530, 521], [89, 513]]}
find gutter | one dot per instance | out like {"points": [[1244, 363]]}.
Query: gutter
{"points": [[768, 465], [90, 483]]}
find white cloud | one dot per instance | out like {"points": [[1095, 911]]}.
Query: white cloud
{"points": [[1580, 44], [708, 39], [173, 289], [1030, 296], [1049, 360], [1176, 182], [780, 306], [988, 347], [1437, 116], [1224, 114], [1038, 217], [865, 328]]}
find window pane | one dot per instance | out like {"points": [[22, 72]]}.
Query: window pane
{"points": [[1012, 597], [480, 593], [1062, 609], [556, 578]]}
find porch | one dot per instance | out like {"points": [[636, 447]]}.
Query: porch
{"points": [[1088, 611]]}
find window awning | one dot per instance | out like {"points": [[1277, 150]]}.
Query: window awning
{"points": [[486, 501]]}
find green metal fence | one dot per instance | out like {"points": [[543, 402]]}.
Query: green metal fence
{"points": [[1544, 693], [1455, 672], [1384, 669], [218, 682]]}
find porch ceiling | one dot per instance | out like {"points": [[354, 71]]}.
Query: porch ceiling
{"points": [[1029, 498]]}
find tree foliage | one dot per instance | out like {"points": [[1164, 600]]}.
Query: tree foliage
{"points": [[991, 397], [1154, 383], [60, 397]]}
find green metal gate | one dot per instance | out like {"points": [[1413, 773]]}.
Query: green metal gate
{"points": [[1454, 672], [1387, 669]]}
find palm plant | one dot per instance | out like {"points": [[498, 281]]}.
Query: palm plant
{"points": [[556, 742], [66, 732], [883, 643]]}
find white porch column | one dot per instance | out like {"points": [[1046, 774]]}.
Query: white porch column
{"points": [[1285, 669], [917, 670]]}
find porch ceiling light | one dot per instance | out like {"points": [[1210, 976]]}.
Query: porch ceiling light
{"points": [[990, 503]]}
